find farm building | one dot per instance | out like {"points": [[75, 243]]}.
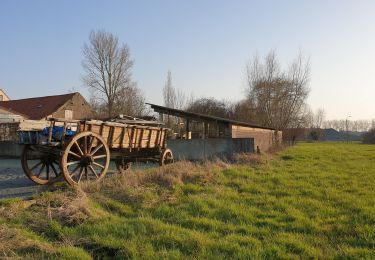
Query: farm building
{"points": [[3, 95], [68, 106], [199, 126]]}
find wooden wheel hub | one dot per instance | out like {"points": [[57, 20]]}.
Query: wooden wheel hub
{"points": [[86, 160]]}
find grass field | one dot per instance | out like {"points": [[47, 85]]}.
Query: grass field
{"points": [[309, 201]]}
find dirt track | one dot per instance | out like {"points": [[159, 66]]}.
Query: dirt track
{"points": [[13, 182]]}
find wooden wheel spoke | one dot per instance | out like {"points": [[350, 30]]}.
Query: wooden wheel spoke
{"points": [[72, 163], [91, 144], [75, 170], [99, 156], [47, 171], [54, 170], [93, 171], [74, 154], [97, 149], [35, 166], [41, 170], [86, 175], [85, 144], [97, 164], [80, 175], [79, 148]]}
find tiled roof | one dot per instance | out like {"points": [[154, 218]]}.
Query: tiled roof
{"points": [[37, 108], [2, 91]]}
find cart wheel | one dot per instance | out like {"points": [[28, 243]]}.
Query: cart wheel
{"points": [[166, 157], [86, 157], [40, 167], [122, 166]]}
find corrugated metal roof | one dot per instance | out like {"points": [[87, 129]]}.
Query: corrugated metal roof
{"points": [[202, 117]]}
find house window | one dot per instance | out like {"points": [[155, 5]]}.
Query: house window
{"points": [[68, 114]]}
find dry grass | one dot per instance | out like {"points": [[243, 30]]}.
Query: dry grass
{"points": [[13, 240], [251, 159], [167, 177], [69, 208], [10, 208], [276, 148]]}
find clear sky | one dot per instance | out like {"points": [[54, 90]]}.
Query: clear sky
{"points": [[205, 44]]}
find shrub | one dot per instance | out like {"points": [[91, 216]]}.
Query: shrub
{"points": [[369, 137]]}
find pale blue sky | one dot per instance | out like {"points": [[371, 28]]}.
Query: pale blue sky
{"points": [[205, 44]]}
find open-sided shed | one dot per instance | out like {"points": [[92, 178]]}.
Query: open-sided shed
{"points": [[195, 125]]}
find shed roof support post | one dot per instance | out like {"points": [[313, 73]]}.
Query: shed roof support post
{"points": [[187, 129], [161, 117], [203, 130], [187, 125]]}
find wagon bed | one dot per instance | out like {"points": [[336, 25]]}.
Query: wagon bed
{"points": [[82, 150]]}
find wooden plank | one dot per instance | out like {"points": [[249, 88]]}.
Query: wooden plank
{"points": [[149, 138], [126, 142], [123, 131], [140, 140], [131, 144], [153, 138], [163, 139], [110, 136], [50, 131], [116, 136], [156, 142]]}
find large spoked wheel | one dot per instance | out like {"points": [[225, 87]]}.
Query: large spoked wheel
{"points": [[86, 157], [166, 157], [40, 166]]}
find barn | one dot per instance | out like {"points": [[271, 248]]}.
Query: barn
{"points": [[199, 126], [68, 106], [12, 112]]}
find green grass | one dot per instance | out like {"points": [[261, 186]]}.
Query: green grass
{"points": [[314, 200]]}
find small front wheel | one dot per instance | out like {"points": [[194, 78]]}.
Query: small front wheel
{"points": [[42, 167], [86, 157], [166, 157]]}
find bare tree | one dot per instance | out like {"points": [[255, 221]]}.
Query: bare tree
{"points": [[277, 96], [211, 106], [169, 92], [352, 125], [319, 117], [244, 110], [181, 99], [131, 101], [108, 67]]}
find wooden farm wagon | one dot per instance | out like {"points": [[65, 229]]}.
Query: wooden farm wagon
{"points": [[82, 150]]}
